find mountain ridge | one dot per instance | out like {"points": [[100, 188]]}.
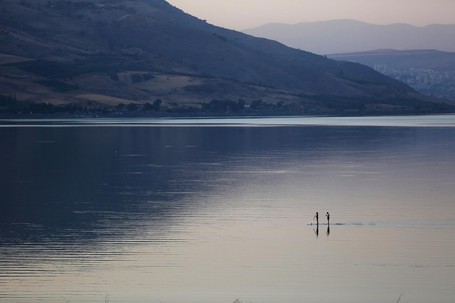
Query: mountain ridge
{"points": [[104, 54], [348, 35]]}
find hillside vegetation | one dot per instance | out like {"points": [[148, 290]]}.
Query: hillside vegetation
{"points": [[146, 55]]}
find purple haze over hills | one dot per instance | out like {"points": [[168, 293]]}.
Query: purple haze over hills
{"points": [[342, 36]]}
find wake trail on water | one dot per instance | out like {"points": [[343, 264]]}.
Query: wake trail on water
{"points": [[395, 224], [345, 224]]}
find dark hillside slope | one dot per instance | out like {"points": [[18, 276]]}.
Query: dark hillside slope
{"points": [[104, 53]]}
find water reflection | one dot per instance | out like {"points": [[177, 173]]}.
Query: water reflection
{"points": [[316, 229], [88, 180], [229, 206]]}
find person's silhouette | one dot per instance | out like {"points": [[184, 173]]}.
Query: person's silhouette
{"points": [[316, 216]]}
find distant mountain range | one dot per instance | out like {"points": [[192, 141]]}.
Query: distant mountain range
{"points": [[146, 55], [428, 71], [343, 36]]}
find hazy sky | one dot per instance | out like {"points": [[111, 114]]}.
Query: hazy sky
{"points": [[241, 14]]}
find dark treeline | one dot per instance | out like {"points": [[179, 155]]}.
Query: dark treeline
{"points": [[9, 105]]}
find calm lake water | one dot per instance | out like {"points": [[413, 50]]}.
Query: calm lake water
{"points": [[208, 211]]}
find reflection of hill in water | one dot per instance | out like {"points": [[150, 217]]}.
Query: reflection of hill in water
{"points": [[83, 184], [150, 214]]}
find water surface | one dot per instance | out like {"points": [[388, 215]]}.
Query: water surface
{"points": [[207, 210]]}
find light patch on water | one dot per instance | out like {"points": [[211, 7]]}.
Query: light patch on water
{"points": [[229, 219], [380, 121]]}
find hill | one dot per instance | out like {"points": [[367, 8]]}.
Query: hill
{"points": [[132, 55], [344, 36], [430, 72]]}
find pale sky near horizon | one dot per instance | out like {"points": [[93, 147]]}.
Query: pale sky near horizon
{"points": [[242, 14]]}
